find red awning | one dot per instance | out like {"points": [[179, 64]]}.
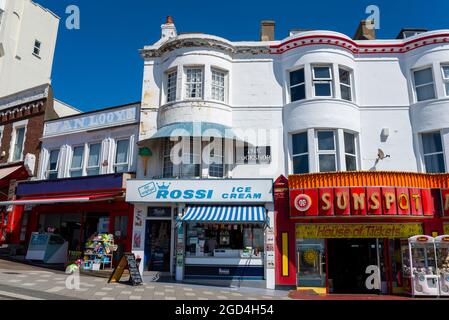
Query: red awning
{"points": [[68, 199]]}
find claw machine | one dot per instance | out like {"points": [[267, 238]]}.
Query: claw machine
{"points": [[419, 266], [442, 250]]}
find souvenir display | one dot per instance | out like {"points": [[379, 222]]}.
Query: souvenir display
{"points": [[99, 252]]}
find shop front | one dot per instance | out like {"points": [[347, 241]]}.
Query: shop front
{"points": [[79, 213], [205, 230], [343, 232]]}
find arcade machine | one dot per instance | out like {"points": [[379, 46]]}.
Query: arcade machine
{"points": [[419, 266], [442, 249]]}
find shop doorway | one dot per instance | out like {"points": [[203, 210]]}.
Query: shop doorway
{"points": [[348, 265], [157, 245]]}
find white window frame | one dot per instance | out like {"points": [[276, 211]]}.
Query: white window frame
{"points": [[128, 163], [37, 47], [329, 80], [16, 126], [87, 154], [58, 162], [300, 154], [290, 86], [355, 155], [171, 86], [187, 83], [432, 153], [351, 82], [445, 79], [423, 85], [165, 156], [218, 86], [333, 152], [191, 154], [82, 159]]}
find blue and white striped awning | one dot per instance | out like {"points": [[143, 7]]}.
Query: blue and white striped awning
{"points": [[226, 214]]}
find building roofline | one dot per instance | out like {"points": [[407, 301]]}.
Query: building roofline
{"points": [[95, 111], [46, 9]]}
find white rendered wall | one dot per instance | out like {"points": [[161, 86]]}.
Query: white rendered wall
{"points": [[22, 24]]}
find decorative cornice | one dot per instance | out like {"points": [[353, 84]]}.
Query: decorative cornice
{"points": [[22, 111], [301, 40], [358, 47], [196, 42]]}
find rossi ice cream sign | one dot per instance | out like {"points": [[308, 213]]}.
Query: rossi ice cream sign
{"points": [[200, 191]]}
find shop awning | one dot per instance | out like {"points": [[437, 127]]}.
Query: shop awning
{"points": [[226, 214], [71, 199]]}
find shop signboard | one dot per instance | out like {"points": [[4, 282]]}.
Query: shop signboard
{"points": [[354, 230], [200, 191], [159, 212], [97, 120], [366, 201]]}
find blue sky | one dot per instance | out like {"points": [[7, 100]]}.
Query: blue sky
{"points": [[99, 66]]}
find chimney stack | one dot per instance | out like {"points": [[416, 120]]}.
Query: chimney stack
{"points": [[365, 31], [168, 29], [267, 30]]}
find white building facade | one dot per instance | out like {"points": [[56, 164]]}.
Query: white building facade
{"points": [[316, 101], [27, 43]]}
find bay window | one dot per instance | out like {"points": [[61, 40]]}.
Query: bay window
{"points": [[322, 81], [424, 84], [186, 160], [345, 84], [122, 156], [433, 152], [171, 86], [326, 151], [300, 153], [93, 159], [194, 83], [218, 85], [52, 165], [445, 70], [76, 167], [297, 85]]}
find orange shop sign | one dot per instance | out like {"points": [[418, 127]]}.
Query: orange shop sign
{"points": [[367, 201], [353, 230]]}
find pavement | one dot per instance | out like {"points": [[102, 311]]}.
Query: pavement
{"points": [[24, 282]]}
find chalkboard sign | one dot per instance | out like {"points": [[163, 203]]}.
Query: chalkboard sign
{"points": [[128, 261], [134, 275]]}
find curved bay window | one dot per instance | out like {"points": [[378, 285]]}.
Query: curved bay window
{"points": [[193, 158]]}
